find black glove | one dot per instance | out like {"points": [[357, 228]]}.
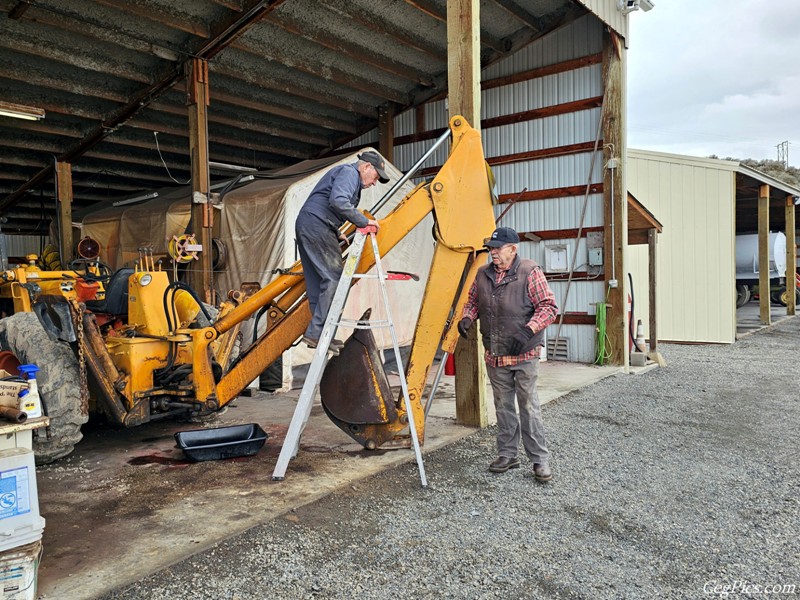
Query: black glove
{"points": [[520, 340], [463, 326]]}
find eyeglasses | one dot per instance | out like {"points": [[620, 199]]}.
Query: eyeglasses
{"points": [[493, 248]]}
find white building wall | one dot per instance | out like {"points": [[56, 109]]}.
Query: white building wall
{"points": [[694, 199]]}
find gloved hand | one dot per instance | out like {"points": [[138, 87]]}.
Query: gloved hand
{"points": [[520, 340], [463, 326]]}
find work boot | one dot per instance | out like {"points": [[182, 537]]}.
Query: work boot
{"points": [[333, 348], [542, 472], [503, 464]]}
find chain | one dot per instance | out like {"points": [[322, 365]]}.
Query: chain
{"points": [[78, 319]]}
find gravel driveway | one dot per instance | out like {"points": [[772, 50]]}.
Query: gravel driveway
{"points": [[670, 484]]}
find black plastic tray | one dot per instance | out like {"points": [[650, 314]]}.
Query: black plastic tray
{"points": [[222, 442]]}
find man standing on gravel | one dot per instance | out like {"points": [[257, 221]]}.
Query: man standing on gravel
{"points": [[514, 303]]}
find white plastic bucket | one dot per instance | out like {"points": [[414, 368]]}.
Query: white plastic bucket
{"points": [[19, 570]]}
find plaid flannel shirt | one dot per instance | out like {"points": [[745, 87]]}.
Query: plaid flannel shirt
{"points": [[544, 313]]}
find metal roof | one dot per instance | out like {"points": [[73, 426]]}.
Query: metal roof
{"points": [[748, 188], [289, 80]]}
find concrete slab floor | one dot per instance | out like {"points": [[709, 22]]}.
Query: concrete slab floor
{"points": [[127, 503], [748, 317]]}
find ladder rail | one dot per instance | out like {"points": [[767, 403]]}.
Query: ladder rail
{"points": [[291, 443]]}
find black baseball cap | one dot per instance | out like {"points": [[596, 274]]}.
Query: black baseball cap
{"points": [[500, 237], [376, 161]]}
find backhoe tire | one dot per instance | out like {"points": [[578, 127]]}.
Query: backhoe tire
{"points": [[58, 382]]}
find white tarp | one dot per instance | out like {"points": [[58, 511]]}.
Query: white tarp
{"points": [[256, 225]]}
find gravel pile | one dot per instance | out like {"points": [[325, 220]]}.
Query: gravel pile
{"points": [[670, 484]]}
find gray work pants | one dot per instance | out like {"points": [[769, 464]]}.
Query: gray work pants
{"points": [[321, 257], [520, 381]]}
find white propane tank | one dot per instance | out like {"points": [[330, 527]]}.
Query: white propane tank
{"points": [[747, 255]]}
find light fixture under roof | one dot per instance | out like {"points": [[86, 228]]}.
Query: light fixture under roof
{"points": [[218, 166], [20, 111], [135, 199]]}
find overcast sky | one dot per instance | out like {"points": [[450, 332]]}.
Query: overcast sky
{"points": [[715, 77]]}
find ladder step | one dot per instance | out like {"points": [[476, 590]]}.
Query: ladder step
{"points": [[352, 323]]}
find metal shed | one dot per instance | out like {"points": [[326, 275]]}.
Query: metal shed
{"points": [[703, 203], [289, 80]]}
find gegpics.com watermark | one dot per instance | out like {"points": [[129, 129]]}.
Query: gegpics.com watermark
{"points": [[723, 589]]}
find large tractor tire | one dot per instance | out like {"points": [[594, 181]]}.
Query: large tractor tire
{"points": [[58, 381]]}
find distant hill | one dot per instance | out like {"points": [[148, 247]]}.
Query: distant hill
{"points": [[772, 168]]}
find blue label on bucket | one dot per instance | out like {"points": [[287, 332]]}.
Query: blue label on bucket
{"points": [[14, 498]]}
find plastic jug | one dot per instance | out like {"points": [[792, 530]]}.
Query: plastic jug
{"points": [[29, 401]]}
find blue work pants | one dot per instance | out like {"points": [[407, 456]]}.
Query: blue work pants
{"points": [[321, 257]]}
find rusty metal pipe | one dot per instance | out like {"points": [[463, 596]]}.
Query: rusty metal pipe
{"points": [[13, 415]]}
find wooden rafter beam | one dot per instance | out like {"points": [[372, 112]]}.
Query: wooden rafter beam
{"points": [[432, 10], [522, 15], [223, 36]]}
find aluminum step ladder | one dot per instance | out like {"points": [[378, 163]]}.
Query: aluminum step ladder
{"points": [[291, 444]]}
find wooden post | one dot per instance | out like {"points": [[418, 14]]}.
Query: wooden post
{"points": [[463, 60], [419, 118], [64, 182], [791, 257], [615, 195], [464, 98], [652, 241], [763, 254], [652, 238], [386, 132], [202, 221]]}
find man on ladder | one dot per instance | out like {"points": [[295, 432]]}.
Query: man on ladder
{"points": [[332, 202]]}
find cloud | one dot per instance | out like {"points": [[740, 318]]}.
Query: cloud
{"points": [[715, 77]]}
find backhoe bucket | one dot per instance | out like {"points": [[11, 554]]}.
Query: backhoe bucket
{"points": [[356, 394]]}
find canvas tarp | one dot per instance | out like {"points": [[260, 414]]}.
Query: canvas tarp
{"points": [[256, 226]]}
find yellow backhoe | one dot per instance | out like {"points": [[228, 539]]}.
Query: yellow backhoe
{"points": [[148, 349]]}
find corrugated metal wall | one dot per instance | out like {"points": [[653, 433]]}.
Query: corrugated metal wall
{"points": [[610, 14], [20, 245], [581, 38], [694, 199]]}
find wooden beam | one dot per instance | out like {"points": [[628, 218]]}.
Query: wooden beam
{"points": [[403, 37], [464, 98], [579, 319], [64, 177], [463, 60], [319, 35], [791, 256], [386, 132], [507, 159], [522, 15], [574, 190], [202, 220], [432, 10], [652, 239], [544, 112], [224, 34], [615, 205], [763, 254], [559, 234], [554, 69], [528, 115]]}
